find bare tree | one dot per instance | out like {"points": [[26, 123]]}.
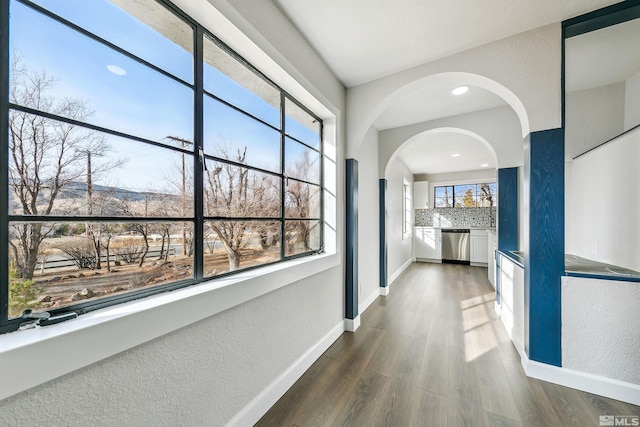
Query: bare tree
{"points": [[234, 191], [486, 195], [44, 156], [299, 203]]}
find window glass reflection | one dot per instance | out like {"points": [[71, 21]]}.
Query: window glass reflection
{"points": [[228, 79], [302, 237], [232, 135], [144, 27], [85, 172], [57, 70], [236, 245], [301, 162], [234, 191], [302, 200], [301, 125], [79, 262]]}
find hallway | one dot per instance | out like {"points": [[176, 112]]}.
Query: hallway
{"points": [[432, 353]]}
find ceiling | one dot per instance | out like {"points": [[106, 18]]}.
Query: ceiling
{"points": [[364, 40], [432, 153]]}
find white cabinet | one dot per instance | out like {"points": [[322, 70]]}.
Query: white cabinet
{"points": [[421, 194], [492, 244], [428, 244], [479, 247]]}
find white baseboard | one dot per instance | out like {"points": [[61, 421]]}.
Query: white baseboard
{"points": [[368, 301], [384, 291], [352, 325], [432, 260], [399, 271], [251, 414], [590, 383]]}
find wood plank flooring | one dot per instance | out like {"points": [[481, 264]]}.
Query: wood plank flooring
{"points": [[432, 353]]}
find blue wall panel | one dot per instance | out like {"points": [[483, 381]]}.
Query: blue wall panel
{"points": [[508, 209], [544, 257], [351, 268], [382, 212]]}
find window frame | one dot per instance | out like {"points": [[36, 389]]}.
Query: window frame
{"points": [[453, 194], [199, 158]]}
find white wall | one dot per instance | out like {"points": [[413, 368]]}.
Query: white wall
{"points": [[632, 102], [498, 126], [207, 372], [504, 67], [593, 116], [600, 333], [399, 246], [603, 203], [368, 223], [201, 375]]}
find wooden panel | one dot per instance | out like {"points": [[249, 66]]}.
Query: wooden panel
{"points": [[507, 209], [544, 258]]}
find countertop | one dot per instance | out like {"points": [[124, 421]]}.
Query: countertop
{"points": [[575, 265], [451, 228]]}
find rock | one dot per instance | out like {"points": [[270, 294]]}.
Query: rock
{"points": [[87, 293], [80, 275], [118, 289], [76, 297], [55, 279], [44, 298]]}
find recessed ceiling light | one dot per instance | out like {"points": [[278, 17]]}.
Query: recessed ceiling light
{"points": [[116, 70], [460, 90], [484, 165], [455, 155]]}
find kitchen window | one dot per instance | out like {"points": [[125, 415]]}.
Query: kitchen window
{"points": [[142, 155], [466, 195]]}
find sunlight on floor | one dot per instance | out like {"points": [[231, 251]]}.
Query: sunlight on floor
{"points": [[479, 334]]}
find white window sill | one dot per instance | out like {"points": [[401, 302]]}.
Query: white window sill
{"points": [[32, 357]]}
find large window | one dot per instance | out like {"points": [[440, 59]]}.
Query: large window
{"points": [[466, 195], [140, 155]]}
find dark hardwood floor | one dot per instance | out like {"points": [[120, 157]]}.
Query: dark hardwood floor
{"points": [[432, 353]]}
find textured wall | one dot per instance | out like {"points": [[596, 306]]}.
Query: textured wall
{"points": [[399, 246], [368, 238], [605, 227], [201, 375], [600, 333]]}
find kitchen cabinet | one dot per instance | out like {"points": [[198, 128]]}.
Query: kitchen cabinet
{"points": [[492, 244], [421, 194], [479, 247], [428, 244]]}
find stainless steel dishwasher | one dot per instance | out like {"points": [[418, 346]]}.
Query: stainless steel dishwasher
{"points": [[456, 245]]}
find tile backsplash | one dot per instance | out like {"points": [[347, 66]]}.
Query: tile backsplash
{"points": [[456, 217]]}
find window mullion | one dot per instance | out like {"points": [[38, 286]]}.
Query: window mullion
{"points": [[198, 166], [283, 186], [4, 161]]}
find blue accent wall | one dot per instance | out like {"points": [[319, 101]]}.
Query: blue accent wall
{"points": [[508, 209], [382, 212], [544, 256], [351, 282]]}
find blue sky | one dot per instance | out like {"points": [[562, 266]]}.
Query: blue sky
{"points": [[142, 102]]}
